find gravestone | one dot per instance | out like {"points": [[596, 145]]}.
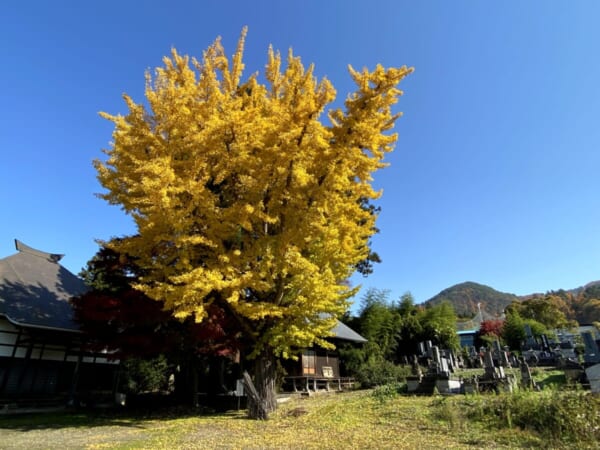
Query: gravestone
{"points": [[494, 379], [497, 347], [488, 362], [529, 339], [428, 347], [591, 354], [452, 363], [545, 343], [526, 378], [435, 355], [414, 380], [593, 376], [416, 368], [504, 360]]}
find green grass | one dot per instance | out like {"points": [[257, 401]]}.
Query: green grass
{"points": [[543, 376], [352, 420]]}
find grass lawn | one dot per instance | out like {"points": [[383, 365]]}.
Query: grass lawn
{"points": [[351, 420]]}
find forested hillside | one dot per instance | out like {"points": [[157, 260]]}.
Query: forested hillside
{"points": [[581, 304], [465, 297]]}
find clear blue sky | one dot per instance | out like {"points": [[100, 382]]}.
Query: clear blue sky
{"points": [[495, 177]]}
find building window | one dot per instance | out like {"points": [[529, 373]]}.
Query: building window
{"points": [[309, 362]]}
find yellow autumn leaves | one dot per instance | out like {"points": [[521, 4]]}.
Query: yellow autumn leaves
{"points": [[241, 194]]}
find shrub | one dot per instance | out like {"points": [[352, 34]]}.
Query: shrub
{"points": [[144, 375], [567, 417], [387, 392], [446, 411], [379, 372]]}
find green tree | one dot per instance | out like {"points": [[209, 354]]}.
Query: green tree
{"points": [[410, 332], [439, 325], [549, 310], [537, 328], [406, 305], [513, 330], [379, 322], [586, 305]]}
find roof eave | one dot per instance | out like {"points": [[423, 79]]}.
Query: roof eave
{"points": [[39, 327]]}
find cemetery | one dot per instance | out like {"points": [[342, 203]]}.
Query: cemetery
{"points": [[443, 371]]}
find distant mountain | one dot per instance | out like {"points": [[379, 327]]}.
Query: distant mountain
{"points": [[590, 287], [465, 297], [584, 301]]}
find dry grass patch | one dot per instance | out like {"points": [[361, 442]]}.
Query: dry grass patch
{"points": [[352, 420]]}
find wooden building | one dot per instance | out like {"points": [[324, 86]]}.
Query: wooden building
{"points": [[42, 352], [319, 368]]}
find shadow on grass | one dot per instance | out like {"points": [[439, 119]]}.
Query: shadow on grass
{"points": [[557, 379], [136, 418]]}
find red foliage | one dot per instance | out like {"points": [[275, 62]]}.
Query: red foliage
{"points": [[126, 322], [491, 327]]}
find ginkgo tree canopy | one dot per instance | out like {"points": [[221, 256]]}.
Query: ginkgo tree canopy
{"points": [[242, 195]]}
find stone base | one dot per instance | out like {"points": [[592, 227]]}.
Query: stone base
{"points": [[449, 386]]}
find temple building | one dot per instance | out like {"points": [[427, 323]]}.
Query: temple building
{"points": [[43, 359]]}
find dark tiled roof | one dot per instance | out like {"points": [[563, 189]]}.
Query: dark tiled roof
{"points": [[35, 289], [343, 331]]}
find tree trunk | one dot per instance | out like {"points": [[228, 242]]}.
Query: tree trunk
{"points": [[262, 401], [186, 383]]}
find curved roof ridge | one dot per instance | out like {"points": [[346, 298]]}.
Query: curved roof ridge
{"points": [[54, 257], [35, 290]]}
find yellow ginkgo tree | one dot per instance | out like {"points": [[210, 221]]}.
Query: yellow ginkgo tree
{"points": [[243, 196]]}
